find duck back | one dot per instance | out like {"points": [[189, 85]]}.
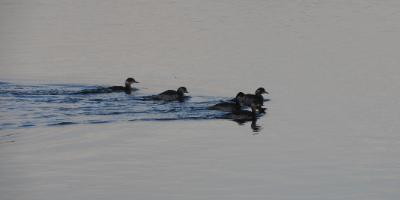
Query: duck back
{"points": [[169, 95]]}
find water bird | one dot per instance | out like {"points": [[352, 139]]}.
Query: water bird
{"points": [[172, 95], [127, 88], [255, 101]]}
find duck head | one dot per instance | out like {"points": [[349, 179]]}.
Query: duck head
{"points": [[261, 90], [182, 90], [130, 81]]}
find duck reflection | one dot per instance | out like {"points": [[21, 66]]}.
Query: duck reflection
{"points": [[253, 125]]}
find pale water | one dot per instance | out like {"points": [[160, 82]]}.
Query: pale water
{"points": [[331, 130]]}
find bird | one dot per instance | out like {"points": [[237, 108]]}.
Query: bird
{"points": [[255, 101], [172, 95], [127, 88]]}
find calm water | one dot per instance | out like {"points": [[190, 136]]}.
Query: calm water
{"points": [[331, 131]]}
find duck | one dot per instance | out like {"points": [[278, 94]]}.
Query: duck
{"points": [[127, 88], [172, 95], [255, 101], [232, 106]]}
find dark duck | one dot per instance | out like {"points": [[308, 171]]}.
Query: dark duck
{"points": [[254, 101], [172, 95], [232, 106], [128, 88]]}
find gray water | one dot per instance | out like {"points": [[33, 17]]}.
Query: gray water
{"points": [[331, 130]]}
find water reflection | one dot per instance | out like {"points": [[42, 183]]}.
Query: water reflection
{"points": [[253, 125]]}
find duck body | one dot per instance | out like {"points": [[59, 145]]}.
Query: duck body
{"points": [[127, 88], [172, 95], [121, 89], [253, 100]]}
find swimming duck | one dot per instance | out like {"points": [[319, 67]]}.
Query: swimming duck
{"points": [[255, 101], [228, 106], [171, 95], [127, 88]]}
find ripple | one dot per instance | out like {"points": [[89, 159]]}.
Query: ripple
{"points": [[59, 105], [62, 123]]}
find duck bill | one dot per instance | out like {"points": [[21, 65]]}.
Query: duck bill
{"points": [[136, 81]]}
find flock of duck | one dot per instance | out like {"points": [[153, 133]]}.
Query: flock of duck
{"points": [[235, 107]]}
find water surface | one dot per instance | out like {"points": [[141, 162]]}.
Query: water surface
{"points": [[65, 104], [331, 67]]}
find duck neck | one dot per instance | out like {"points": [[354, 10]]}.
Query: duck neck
{"points": [[128, 86], [180, 93], [259, 95], [128, 89]]}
